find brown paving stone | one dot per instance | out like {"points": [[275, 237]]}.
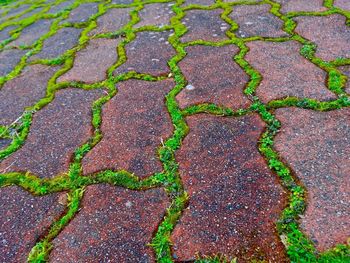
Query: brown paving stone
{"points": [[156, 15], [213, 76], [199, 2], [301, 5], [255, 20], [316, 145], [91, 63], [330, 34], [23, 91], [23, 220], [205, 25], [112, 21], [155, 60], [82, 13], [286, 73], [56, 45], [114, 225], [9, 59], [56, 131], [346, 70], [344, 4], [133, 124], [234, 197]]}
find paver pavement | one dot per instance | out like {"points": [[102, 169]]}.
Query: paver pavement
{"points": [[175, 131]]}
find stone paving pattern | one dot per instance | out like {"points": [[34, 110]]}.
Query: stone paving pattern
{"points": [[175, 131]]}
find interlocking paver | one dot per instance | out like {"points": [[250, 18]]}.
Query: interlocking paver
{"points": [[213, 76], [301, 5], [60, 7], [9, 59], [316, 146], [234, 198], [346, 70], [82, 13], [342, 4], [199, 2], [138, 111], [5, 33], [286, 73], [114, 225], [155, 15]]}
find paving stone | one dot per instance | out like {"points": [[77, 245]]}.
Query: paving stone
{"points": [[286, 73], [112, 21], [60, 7], [56, 131], [346, 70], [5, 33], [237, 1], [114, 225], [4, 143], [234, 198], [344, 4], [14, 12], [30, 13], [155, 60], [24, 219], [205, 25], [213, 76], [330, 34], [122, 2], [156, 15], [82, 13], [316, 145], [32, 33], [56, 45], [134, 123], [255, 20], [199, 2], [23, 91], [301, 5], [91, 63], [9, 59]]}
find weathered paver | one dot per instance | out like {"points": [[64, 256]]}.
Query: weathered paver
{"points": [[286, 73], [23, 91], [91, 63], [330, 34], [24, 219], [9, 59], [60, 7], [155, 60], [114, 225], [138, 111], [344, 4], [316, 146], [204, 25], [82, 13], [122, 2], [213, 76], [301, 5], [199, 2], [234, 198], [56, 131], [255, 20], [155, 15], [346, 70], [5, 33]]}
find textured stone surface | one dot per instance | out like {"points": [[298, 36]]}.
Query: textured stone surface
{"points": [[56, 131], [213, 76], [285, 72], [255, 20], [205, 25], [344, 4], [14, 12], [316, 145], [9, 59], [155, 60], [23, 91], [346, 70], [92, 62], [330, 34], [234, 198], [134, 123], [60, 7], [82, 13], [24, 219], [5, 33], [199, 2], [301, 5], [155, 15], [122, 1], [114, 225]]}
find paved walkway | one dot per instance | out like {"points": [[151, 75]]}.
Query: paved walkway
{"points": [[175, 131]]}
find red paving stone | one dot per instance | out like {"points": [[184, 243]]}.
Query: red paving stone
{"points": [[346, 70], [92, 62], [23, 91], [255, 20], [9, 59], [330, 34], [204, 25], [24, 219], [138, 110], [344, 4], [155, 15], [213, 76], [56, 131], [234, 198], [155, 60], [301, 5], [285, 72], [316, 146], [113, 225]]}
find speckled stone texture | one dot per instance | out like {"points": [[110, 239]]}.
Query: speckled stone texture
{"points": [[138, 111], [213, 76], [157, 15], [114, 225], [56, 131], [24, 219], [60, 7], [346, 70], [5, 33], [199, 2], [82, 13], [330, 34], [316, 145], [286, 73], [9, 59], [234, 198], [255, 20], [301, 5], [344, 4]]}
